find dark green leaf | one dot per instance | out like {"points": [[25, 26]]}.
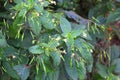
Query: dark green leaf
{"points": [[115, 52], [9, 69], [102, 70], [71, 70], [116, 62], [53, 75], [114, 16], [3, 42], [23, 71]]}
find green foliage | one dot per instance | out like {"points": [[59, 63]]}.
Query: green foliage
{"points": [[38, 42]]}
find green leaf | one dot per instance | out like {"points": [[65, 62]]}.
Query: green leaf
{"points": [[35, 24], [36, 49], [102, 70], [53, 44], [84, 49], [115, 52], [45, 3], [9, 69], [65, 25], [22, 12], [47, 21], [40, 75], [10, 51], [18, 1], [76, 26], [19, 6], [71, 70], [86, 35], [116, 62], [3, 42], [76, 33], [23, 71], [56, 58], [81, 70], [39, 8], [53, 75], [69, 42], [114, 16]]}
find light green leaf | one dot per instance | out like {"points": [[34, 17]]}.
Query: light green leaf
{"points": [[22, 12], [39, 8], [56, 58], [36, 49], [65, 25], [9, 69], [53, 44], [23, 71], [76, 33], [69, 42], [44, 3], [35, 24], [86, 35]]}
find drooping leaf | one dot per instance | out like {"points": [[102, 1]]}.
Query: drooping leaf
{"points": [[23, 71], [65, 25], [71, 70], [56, 58], [81, 70], [84, 49]]}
